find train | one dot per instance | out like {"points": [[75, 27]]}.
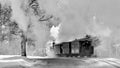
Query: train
{"points": [[83, 47]]}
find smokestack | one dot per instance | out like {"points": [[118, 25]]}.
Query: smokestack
{"points": [[53, 43], [23, 45]]}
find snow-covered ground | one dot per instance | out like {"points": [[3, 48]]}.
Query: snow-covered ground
{"points": [[15, 61]]}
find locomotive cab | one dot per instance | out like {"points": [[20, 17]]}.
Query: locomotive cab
{"points": [[78, 48]]}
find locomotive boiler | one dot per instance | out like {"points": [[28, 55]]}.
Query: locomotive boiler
{"points": [[83, 47]]}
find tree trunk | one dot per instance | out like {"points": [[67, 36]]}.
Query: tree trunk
{"points": [[23, 45]]}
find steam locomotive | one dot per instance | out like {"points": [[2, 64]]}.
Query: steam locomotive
{"points": [[83, 47]]}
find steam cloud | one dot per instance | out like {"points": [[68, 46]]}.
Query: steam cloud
{"points": [[39, 31]]}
